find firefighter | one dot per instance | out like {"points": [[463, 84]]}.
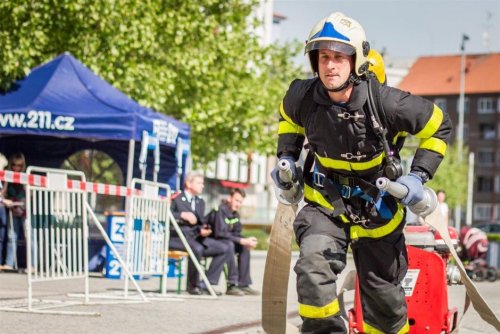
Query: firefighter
{"points": [[350, 150]]}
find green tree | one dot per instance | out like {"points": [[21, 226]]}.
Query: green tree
{"points": [[451, 176], [198, 61]]}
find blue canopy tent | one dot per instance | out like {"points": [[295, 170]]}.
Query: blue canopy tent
{"points": [[62, 107]]}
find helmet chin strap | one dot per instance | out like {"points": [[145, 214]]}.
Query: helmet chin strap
{"points": [[352, 80]]}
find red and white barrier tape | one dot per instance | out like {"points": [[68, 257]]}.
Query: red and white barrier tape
{"points": [[41, 181]]}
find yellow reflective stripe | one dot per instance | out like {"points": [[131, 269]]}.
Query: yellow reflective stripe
{"points": [[319, 312], [399, 134], [432, 124], [367, 329], [313, 195], [344, 218], [289, 120], [370, 329], [434, 144], [359, 232], [349, 166], [285, 127], [405, 329]]}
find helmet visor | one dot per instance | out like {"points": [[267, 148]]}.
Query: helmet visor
{"points": [[331, 45]]}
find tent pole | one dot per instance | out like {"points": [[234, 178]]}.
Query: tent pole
{"points": [[130, 163]]}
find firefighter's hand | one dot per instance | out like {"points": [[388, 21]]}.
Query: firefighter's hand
{"points": [[275, 174], [415, 189]]}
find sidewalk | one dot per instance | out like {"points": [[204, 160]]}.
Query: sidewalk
{"points": [[227, 314], [184, 315]]}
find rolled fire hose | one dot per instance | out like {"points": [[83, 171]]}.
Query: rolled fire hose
{"points": [[279, 255]]}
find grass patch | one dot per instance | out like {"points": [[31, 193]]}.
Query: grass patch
{"points": [[263, 239]]}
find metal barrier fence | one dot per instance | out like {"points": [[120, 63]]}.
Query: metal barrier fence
{"points": [[56, 233], [149, 221], [146, 237]]}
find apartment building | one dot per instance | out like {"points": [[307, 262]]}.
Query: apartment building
{"points": [[437, 78]]}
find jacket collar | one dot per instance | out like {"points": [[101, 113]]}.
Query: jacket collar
{"points": [[358, 97]]}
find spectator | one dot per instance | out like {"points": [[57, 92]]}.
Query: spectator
{"points": [[14, 198], [442, 206], [3, 229], [189, 211], [226, 224]]}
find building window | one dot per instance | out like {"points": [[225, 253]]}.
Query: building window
{"points": [[466, 105], [466, 132], [229, 171], [242, 170], [485, 105], [441, 103], [483, 211], [485, 184], [486, 157], [487, 131]]}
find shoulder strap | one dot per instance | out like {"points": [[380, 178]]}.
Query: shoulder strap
{"points": [[308, 104], [379, 111], [375, 110], [308, 100]]}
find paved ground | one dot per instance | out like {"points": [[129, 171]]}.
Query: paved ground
{"points": [[227, 314]]}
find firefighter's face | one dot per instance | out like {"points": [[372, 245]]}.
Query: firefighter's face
{"points": [[235, 201], [334, 68]]}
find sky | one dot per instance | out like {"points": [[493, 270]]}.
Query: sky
{"points": [[406, 29]]}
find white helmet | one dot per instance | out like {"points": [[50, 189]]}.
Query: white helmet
{"points": [[340, 33]]}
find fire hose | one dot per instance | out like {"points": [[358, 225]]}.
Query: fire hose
{"points": [[424, 209], [276, 274]]}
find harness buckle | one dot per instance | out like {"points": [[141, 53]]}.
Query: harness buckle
{"points": [[346, 115], [318, 179], [349, 156], [345, 191], [357, 219]]}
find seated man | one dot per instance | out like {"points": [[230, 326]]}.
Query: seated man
{"points": [[188, 209], [226, 225]]}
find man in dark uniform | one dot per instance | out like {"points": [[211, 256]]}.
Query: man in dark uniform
{"points": [[227, 227], [351, 147], [189, 211]]}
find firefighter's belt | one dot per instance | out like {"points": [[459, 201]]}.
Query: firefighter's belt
{"points": [[347, 186]]}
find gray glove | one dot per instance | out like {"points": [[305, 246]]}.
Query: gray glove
{"points": [[287, 178], [275, 175], [415, 188]]}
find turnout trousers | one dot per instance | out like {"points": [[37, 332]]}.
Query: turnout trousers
{"points": [[381, 264]]}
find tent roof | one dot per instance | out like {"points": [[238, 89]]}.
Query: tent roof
{"points": [[63, 98]]}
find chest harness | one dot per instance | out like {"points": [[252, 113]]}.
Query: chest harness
{"points": [[339, 187]]}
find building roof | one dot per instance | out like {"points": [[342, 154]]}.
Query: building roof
{"points": [[277, 18], [440, 75]]}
